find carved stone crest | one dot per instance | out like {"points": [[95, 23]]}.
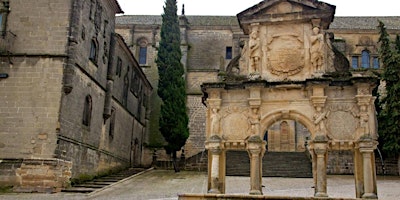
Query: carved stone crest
{"points": [[235, 124], [342, 121], [285, 54]]}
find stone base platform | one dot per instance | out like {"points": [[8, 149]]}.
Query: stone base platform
{"points": [[252, 197]]}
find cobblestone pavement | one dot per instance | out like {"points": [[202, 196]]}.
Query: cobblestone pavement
{"points": [[166, 185]]}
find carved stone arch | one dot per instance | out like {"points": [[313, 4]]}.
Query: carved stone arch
{"points": [[270, 118]]}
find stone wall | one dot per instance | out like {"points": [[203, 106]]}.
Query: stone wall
{"points": [[208, 48], [132, 36], [29, 110], [50, 76], [43, 175], [35, 175], [197, 127], [42, 31]]}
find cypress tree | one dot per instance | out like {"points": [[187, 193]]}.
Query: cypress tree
{"points": [[171, 87], [389, 115]]}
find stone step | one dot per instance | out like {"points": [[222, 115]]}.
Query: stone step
{"points": [[91, 185], [99, 183], [275, 164], [78, 190]]}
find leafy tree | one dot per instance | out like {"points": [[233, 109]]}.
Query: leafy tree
{"points": [[171, 87], [389, 115]]}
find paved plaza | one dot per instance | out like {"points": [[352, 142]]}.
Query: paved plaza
{"points": [[166, 185]]}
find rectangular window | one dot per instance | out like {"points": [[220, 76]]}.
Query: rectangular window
{"points": [[119, 67], [228, 54], [143, 55], [354, 62], [376, 63]]}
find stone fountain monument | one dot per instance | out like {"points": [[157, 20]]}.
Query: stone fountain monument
{"points": [[289, 70]]}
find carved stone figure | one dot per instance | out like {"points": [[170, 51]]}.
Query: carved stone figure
{"points": [[364, 118], [317, 47], [319, 119], [215, 119], [254, 120], [255, 54]]}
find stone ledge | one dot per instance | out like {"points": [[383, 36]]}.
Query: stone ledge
{"points": [[252, 197]]}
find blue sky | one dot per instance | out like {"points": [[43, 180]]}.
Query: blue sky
{"points": [[233, 7]]}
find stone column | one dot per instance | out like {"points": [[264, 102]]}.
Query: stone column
{"points": [[215, 171], [368, 175], [320, 150], [213, 145], [255, 148], [366, 148]]}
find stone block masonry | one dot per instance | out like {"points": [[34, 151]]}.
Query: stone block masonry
{"points": [[36, 175]]}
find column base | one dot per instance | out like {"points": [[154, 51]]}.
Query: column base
{"points": [[369, 196], [255, 192], [320, 194]]}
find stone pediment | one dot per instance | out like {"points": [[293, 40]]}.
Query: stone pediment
{"points": [[288, 40], [276, 11]]}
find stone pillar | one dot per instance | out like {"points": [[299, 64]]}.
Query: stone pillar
{"points": [[214, 147], [366, 148], [358, 173], [255, 149], [215, 171], [320, 150]]}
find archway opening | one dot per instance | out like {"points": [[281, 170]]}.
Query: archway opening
{"points": [[287, 136], [286, 151]]}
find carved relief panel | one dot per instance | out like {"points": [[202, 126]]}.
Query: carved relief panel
{"points": [[342, 121], [234, 123]]}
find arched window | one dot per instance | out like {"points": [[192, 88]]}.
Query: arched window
{"points": [[87, 111], [93, 51], [365, 59], [143, 55], [142, 43]]}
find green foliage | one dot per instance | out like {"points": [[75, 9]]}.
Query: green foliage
{"points": [[389, 105], [82, 179], [171, 87], [6, 189]]}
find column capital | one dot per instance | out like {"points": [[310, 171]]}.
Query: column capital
{"points": [[366, 144], [255, 143], [214, 143]]}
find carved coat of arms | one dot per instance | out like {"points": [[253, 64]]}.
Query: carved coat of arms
{"points": [[285, 55]]}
